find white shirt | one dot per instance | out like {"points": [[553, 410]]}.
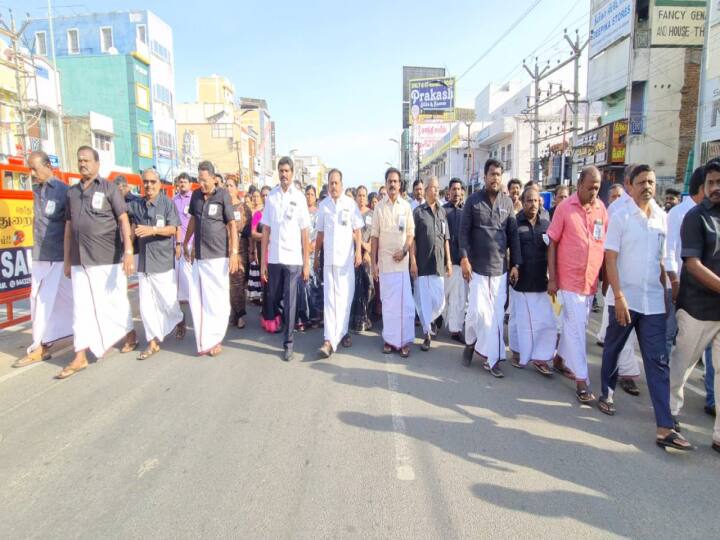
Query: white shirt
{"points": [[414, 203], [639, 242], [673, 261], [617, 204], [337, 220], [286, 213]]}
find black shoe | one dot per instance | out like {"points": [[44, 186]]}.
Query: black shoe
{"points": [[630, 386], [468, 354], [288, 355], [710, 410], [439, 322], [425, 344]]}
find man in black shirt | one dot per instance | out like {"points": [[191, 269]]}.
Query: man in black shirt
{"points": [[456, 288], [535, 336], [698, 303], [51, 291], [98, 258], [430, 260], [487, 230], [215, 252], [155, 222]]}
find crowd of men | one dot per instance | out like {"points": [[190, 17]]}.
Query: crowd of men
{"points": [[432, 259]]}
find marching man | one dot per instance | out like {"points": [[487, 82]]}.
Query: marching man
{"points": [[155, 223], [338, 232], [51, 292]]}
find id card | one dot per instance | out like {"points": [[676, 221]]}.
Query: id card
{"points": [[368, 221], [597, 230], [159, 221], [289, 212], [186, 210], [442, 228], [49, 208], [213, 210], [237, 215], [97, 200], [402, 223], [344, 216], [546, 239]]}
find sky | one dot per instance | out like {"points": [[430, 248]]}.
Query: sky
{"points": [[331, 71]]}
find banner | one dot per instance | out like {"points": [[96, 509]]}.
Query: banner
{"points": [[609, 21], [678, 23], [16, 240], [432, 99]]}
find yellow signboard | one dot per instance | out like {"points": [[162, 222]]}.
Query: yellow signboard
{"points": [[16, 240]]}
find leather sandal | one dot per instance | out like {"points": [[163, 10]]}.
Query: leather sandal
{"points": [[147, 353], [31, 358], [180, 330], [129, 347], [215, 351], [69, 371]]}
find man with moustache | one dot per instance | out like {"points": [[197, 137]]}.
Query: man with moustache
{"points": [[488, 229], [98, 257], [183, 269], [51, 305], [456, 288], [514, 187]]}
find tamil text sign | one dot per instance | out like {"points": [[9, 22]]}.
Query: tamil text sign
{"points": [[432, 99], [609, 21], [678, 23], [16, 240]]}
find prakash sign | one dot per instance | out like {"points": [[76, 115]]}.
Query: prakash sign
{"points": [[432, 99], [678, 23], [609, 21]]}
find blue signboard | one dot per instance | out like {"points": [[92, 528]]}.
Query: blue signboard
{"points": [[54, 161], [432, 96]]}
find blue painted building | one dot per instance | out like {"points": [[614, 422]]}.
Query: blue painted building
{"points": [[141, 34]]}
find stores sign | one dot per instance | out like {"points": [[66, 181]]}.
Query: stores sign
{"points": [[609, 22], [678, 23], [432, 98]]}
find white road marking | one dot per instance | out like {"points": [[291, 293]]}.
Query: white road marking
{"points": [[403, 466], [148, 466]]}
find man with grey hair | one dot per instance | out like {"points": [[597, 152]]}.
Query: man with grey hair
{"points": [[430, 260], [155, 221]]}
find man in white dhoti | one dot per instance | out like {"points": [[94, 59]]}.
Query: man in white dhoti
{"points": [[215, 252], [154, 223], [575, 256], [183, 269], [535, 328], [51, 291], [97, 231], [339, 224], [393, 231], [456, 288], [430, 260], [487, 230]]}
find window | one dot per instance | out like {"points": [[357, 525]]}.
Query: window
{"points": [[106, 38], [222, 131], [73, 40], [165, 140], [142, 96], [141, 33], [158, 50], [103, 143], [162, 94], [145, 146], [41, 43]]}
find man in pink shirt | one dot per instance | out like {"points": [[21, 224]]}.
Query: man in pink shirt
{"points": [[575, 256]]}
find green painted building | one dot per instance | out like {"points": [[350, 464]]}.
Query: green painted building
{"points": [[116, 86]]}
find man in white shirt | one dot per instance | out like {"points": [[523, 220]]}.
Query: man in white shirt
{"points": [[338, 231], [634, 251], [285, 249]]}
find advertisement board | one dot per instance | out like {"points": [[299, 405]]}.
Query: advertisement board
{"points": [[618, 142], [678, 23], [711, 116], [432, 99], [16, 240], [428, 134], [610, 21], [592, 147]]}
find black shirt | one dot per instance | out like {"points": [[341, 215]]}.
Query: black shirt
{"points": [[156, 254], [431, 231], [49, 220], [242, 212], [454, 214], [700, 235], [533, 270], [211, 217], [487, 231], [93, 215]]}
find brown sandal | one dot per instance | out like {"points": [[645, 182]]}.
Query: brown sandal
{"points": [[69, 371], [405, 352], [129, 347], [215, 351], [147, 353], [180, 330]]}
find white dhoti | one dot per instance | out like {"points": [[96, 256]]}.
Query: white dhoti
{"points": [[210, 301], [456, 293], [572, 346], [398, 309], [429, 296], [101, 309], [183, 277], [338, 293], [628, 361], [159, 307], [51, 304], [485, 314], [535, 326]]}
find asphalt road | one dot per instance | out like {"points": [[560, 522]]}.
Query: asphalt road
{"points": [[359, 446]]}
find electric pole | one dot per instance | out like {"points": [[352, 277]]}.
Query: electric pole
{"points": [[18, 65]]}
